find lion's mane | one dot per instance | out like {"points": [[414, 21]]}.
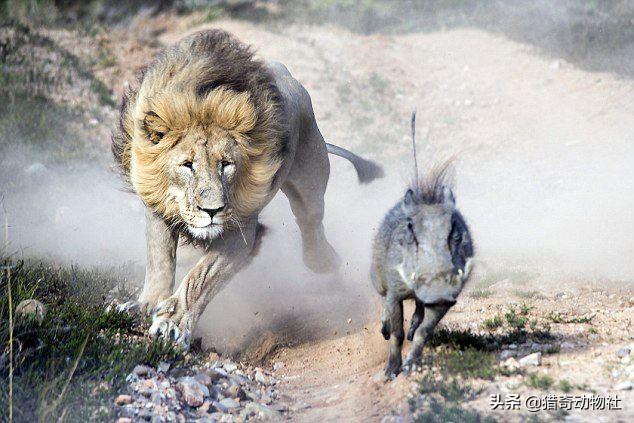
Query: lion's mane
{"points": [[209, 78]]}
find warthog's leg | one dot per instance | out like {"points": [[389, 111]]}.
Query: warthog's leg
{"points": [[161, 264], [433, 314], [176, 317], [393, 321], [305, 187], [417, 318]]}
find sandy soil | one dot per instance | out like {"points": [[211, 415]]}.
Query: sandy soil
{"points": [[533, 132]]}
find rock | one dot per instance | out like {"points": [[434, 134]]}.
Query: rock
{"points": [[235, 391], [124, 420], [215, 375], [192, 391], [163, 367], [534, 359], [31, 309], [624, 386], [240, 380], [262, 411], [123, 399], [219, 417], [229, 404], [278, 365], [142, 371], [204, 407], [567, 346], [260, 378], [505, 354], [511, 364], [230, 366], [203, 378], [555, 65], [623, 352]]}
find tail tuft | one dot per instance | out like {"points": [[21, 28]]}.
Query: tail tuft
{"points": [[367, 170]]}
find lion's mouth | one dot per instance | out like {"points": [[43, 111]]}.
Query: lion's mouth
{"points": [[209, 232]]}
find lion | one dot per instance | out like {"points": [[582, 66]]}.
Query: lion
{"points": [[207, 136]]}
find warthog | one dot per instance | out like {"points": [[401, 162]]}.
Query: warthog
{"points": [[422, 251]]}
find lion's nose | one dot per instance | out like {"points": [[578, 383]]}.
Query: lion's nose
{"points": [[212, 212]]}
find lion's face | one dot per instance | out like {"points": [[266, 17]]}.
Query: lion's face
{"points": [[200, 172], [202, 135], [195, 160]]}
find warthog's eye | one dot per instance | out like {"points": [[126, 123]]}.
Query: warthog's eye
{"points": [[410, 237], [225, 163]]}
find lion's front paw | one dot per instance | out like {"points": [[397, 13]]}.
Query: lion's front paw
{"points": [[172, 323]]}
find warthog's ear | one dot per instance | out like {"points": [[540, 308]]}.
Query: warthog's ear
{"points": [[409, 202], [154, 127], [448, 197], [409, 197]]}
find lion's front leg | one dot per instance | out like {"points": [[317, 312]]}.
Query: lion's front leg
{"points": [[160, 269], [176, 317]]}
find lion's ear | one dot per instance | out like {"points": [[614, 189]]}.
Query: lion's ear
{"points": [[154, 127]]}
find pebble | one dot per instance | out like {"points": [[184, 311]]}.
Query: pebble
{"points": [[202, 393], [124, 420], [623, 352], [624, 386], [511, 364], [567, 346], [262, 411], [203, 378], [505, 354], [31, 309], [142, 371], [230, 366], [260, 378], [123, 399], [193, 392], [278, 365], [229, 403], [534, 359]]}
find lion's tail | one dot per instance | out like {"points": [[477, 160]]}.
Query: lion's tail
{"points": [[367, 170]]}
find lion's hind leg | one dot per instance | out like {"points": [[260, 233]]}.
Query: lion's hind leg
{"points": [[305, 187]]}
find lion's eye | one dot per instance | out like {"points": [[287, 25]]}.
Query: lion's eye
{"points": [[226, 163], [189, 165]]}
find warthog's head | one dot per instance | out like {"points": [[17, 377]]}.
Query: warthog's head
{"points": [[432, 240]]}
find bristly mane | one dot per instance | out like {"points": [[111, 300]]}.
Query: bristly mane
{"points": [[434, 187]]}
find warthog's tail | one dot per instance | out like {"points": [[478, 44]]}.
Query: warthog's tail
{"points": [[367, 171]]}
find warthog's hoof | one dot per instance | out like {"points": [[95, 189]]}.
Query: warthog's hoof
{"points": [[411, 367], [393, 368]]}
